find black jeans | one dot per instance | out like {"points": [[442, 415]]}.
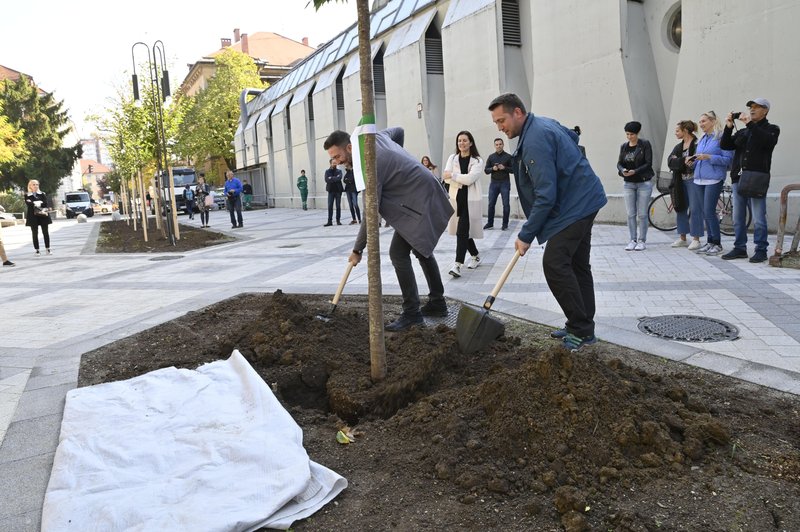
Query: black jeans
{"points": [[235, 205], [569, 274], [400, 254], [334, 197], [502, 189], [204, 214], [463, 242]]}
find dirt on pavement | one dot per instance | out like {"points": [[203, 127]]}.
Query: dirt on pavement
{"points": [[522, 435]]}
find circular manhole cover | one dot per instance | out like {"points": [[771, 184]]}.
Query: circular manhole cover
{"points": [[688, 328], [167, 257]]}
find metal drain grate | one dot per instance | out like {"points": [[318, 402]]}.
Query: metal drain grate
{"points": [[166, 257], [688, 328]]}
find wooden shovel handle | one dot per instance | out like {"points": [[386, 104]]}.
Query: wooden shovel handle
{"points": [[501, 281], [342, 283]]}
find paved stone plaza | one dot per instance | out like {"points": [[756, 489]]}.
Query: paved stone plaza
{"points": [[54, 308]]}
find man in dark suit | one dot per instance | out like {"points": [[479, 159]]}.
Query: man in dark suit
{"points": [[413, 202], [333, 184]]}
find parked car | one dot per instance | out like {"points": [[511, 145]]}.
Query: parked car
{"points": [[219, 198], [104, 208]]}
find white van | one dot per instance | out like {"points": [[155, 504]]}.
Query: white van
{"points": [[78, 202]]}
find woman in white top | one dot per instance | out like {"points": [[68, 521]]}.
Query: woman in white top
{"points": [[462, 173]]}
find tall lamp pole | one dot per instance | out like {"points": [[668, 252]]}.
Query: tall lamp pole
{"points": [[159, 80]]}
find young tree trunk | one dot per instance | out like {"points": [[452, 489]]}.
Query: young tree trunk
{"points": [[377, 345]]}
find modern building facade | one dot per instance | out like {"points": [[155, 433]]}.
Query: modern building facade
{"points": [[598, 64]]}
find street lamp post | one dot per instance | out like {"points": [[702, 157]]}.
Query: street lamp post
{"points": [[156, 59]]}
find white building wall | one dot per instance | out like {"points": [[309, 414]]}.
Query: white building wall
{"points": [[403, 72], [471, 80], [281, 191], [300, 156], [324, 125]]}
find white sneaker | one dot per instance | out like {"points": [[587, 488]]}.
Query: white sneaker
{"points": [[474, 262], [704, 248], [680, 244], [714, 249], [694, 245], [455, 271], [631, 245], [640, 246]]}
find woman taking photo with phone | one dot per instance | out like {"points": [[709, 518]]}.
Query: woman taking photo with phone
{"points": [[710, 164]]}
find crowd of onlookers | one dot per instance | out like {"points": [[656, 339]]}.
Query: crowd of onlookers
{"points": [[699, 169]]}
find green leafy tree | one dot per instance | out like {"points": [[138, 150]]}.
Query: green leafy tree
{"points": [[12, 140], [44, 123], [207, 121], [377, 343]]}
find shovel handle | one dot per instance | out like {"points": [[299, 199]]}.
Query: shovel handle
{"points": [[500, 282], [343, 282]]}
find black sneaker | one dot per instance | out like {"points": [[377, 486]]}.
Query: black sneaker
{"points": [[504, 228], [404, 322], [433, 310], [488, 226], [735, 254], [8, 263], [759, 256], [327, 224]]}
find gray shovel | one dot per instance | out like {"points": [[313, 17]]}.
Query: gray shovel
{"points": [[475, 328]]}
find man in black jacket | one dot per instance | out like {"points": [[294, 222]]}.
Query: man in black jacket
{"points": [[333, 184], [754, 145], [499, 165]]}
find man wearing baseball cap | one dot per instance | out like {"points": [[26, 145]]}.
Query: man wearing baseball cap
{"points": [[751, 163]]}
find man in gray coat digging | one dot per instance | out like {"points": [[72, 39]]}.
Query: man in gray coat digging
{"points": [[413, 202]]}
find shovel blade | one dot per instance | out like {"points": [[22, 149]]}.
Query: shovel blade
{"points": [[475, 328]]}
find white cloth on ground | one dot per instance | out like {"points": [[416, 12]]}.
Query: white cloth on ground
{"points": [[179, 449]]}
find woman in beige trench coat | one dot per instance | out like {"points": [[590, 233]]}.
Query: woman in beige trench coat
{"points": [[463, 172]]}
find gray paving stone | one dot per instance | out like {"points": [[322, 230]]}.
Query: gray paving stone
{"points": [[23, 484], [29, 438], [42, 402], [27, 522]]}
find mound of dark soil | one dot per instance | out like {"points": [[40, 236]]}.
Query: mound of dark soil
{"points": [[520, 436], [120, 237]]}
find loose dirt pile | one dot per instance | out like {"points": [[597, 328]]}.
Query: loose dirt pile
{"points": [[120, 237], [520, 436]]}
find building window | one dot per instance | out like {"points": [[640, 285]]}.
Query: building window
{"points": [[512, 35], [434, 62], [378, 78], [310, 105], [340, 91], [674, 29]]}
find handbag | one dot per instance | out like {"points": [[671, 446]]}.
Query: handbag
{"points": [[753, 184], [209, 201]]}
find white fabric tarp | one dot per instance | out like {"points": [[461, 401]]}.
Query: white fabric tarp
{"points": [[177, 449]]}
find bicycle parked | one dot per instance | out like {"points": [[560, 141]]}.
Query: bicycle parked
{"points": [[662, 216]]}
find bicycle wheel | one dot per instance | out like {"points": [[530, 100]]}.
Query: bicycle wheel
{"points": [[661, 214], [725, 213]]}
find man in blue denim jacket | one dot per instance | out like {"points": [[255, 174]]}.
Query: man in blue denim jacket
{"points": [[560, 195]]}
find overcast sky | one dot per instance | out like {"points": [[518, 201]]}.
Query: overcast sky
{"points": [[81, 51]]}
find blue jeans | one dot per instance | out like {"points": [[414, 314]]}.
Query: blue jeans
{"points": [[503, 189], [759, 208], [710, 198], [334, 197], [637, 200], [352, 199], [695, 196]]}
